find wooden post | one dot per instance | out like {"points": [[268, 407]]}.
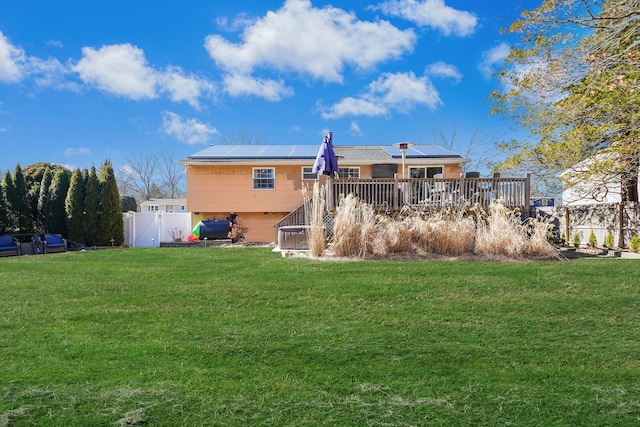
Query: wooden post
{"points": [[621, 226], [527, 192], [396, 193], [566, 226]]}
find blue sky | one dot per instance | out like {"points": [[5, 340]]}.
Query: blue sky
{"points": [[83, 81]]}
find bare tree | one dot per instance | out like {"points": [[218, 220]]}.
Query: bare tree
{"points": [[171, 175], [243, 137], [474, 148], [140, 174], [151, 175]]}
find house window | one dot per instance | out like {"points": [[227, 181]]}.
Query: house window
{"points": [[152, 208], [349, 173], [264, 178], [307, 173], [424, 171]]}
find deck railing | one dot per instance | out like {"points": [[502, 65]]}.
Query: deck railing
{"points": [[394, 193]]}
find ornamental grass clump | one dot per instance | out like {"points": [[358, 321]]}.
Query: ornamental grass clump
{"points": [[355, 226], [496, 233], [314, 212], [441, 232], [392, 237], [537, 245], [500, 232]]}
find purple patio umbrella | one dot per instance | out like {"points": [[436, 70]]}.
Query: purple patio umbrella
{"points": [[326, 162]]}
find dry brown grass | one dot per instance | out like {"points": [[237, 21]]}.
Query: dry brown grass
{"points": [[314, 212], [355, 227], [497, 233]]}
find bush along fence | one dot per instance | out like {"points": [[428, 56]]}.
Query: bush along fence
{"points": [[608, 225]]}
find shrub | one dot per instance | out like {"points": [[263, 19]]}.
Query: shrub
{"points": [[608, 241], [576, 240], [635, 243], [592, 239]]}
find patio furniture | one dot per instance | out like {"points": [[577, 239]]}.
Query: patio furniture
{"points": [[8, 246], [54, 243]]}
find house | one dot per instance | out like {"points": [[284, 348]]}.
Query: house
{"points": [[262, 184], [588, 183], [164, 205]]}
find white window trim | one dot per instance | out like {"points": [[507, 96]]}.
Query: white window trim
{"points": [[350, 167], [310, 172], [253, 179]]}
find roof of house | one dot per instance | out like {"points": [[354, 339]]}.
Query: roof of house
{"points": [[366, 154]]}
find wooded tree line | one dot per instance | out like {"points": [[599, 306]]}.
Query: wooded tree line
{"points": [[574, 83], [83, 206]]}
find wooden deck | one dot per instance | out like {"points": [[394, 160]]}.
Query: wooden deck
{"points": [[393, 194], [390, 195]]}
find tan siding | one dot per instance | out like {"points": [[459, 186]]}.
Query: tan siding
{"points": [[229, 188], [259, 225]]}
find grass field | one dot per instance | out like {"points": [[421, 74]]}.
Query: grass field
{"points": [[244, 337]]}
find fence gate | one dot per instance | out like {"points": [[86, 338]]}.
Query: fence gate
{"points": [[146, 229]]}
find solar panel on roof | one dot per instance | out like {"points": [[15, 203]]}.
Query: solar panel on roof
{"points": [[257, 152], [421, 151]]}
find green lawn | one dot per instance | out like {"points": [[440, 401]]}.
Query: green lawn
{"points": [[244, 337]]}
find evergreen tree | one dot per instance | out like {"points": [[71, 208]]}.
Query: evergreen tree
{"points": [[128, 204], [20, 203], [111, 221], [91, 207], [74, 207], [56, 215], [4, 208], [8, 197], [43, 201], [34, 176]]}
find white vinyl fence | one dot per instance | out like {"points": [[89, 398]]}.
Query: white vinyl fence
{"points": [[147, 229]]}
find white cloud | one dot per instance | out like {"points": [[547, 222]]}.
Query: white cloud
{"points": [[12, 61], [51, 73], [183, 87], [120, 69], [15, 66], [189, 131], [123, 70], [242, 85], [444, 70], [54, 43], [238, 23], [432, 13], [354, 107], [492, 58], [393, 91], [354, 129], [80, 151], [310, 41]]}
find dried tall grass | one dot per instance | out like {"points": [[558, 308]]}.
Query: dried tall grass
{"points": [[314, 213], [355, 227], [441, 232], [496, 233], [501, 232]]}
